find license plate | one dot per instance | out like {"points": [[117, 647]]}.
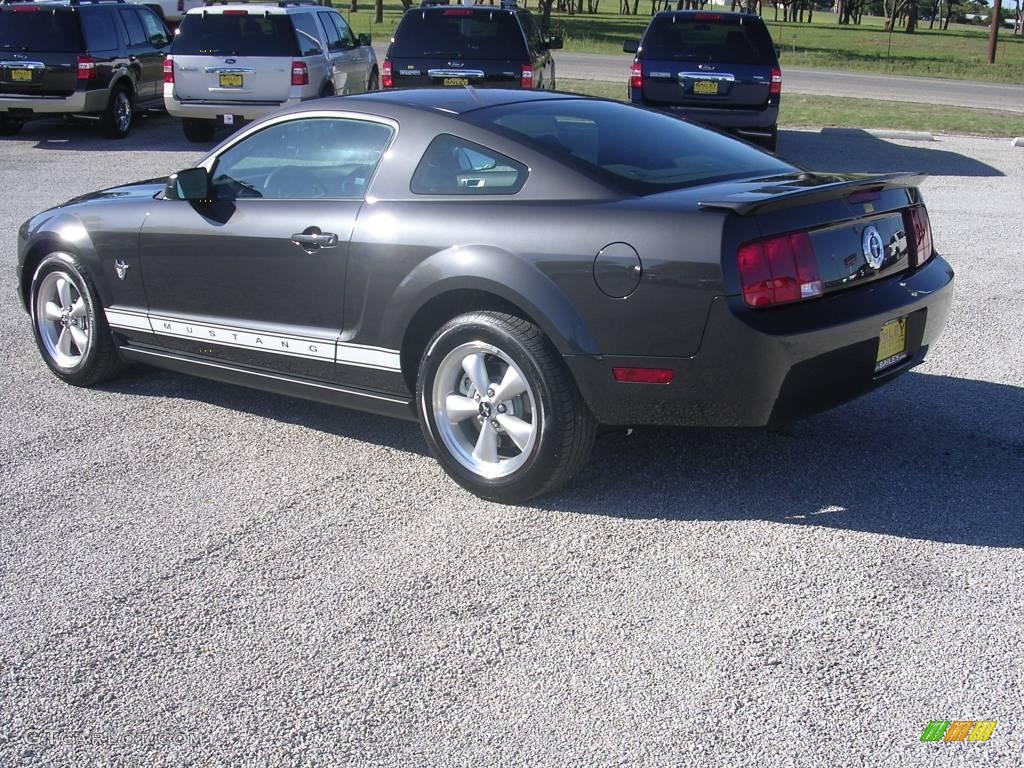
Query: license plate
{"points": [[892, 344], [21, 75], [230, 81], [455, 82], [706, 87]]}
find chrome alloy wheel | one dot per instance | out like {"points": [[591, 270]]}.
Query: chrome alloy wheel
{"points": [[122, 111], [62, 318], [486, 413]]}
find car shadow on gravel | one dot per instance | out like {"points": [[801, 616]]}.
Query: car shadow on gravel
{"points": [[845, 150], [151, 132], [928, 457]]}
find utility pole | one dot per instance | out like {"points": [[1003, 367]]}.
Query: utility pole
{"points": [[993, 34]]}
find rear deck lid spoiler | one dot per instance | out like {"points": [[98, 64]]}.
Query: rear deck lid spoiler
{"points": [[779, 192]]}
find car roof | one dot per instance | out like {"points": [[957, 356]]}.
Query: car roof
{"points": [[455, 101], [712, 15], [280, 8]]}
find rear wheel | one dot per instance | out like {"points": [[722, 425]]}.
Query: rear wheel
{"points": [[499, 409], [771, 141], [68, 323], [10, 125], [198, 131], [116, 121], [374, 84]]}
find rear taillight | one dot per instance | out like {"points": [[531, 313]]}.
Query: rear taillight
{"points": [[169, 70], [776, 86], [636, 75], [778, 270], [235, 13], [916, 220], [300, 73], [526, 77], [387, 80], [86, 68]]}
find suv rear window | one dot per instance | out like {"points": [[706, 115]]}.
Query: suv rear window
{"points": [[630, 149], [236, 34], [42, 30], [709, 37], [460, 33]]}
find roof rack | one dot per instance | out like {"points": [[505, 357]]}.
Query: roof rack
{"points": [[278, 3]]}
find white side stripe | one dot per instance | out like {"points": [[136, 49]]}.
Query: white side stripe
{"points": [[344, 353]]}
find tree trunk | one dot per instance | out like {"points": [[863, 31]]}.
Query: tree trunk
{"points": [[378, 12]]}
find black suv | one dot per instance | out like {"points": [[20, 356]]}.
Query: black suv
{"points": [[456, 45], [93, 58], [719, 69]]}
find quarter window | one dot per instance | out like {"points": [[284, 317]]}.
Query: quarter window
{"points": [[311, 158], [453, 166], [136, 35], [307, 34], [334, 41], [155, 32], [344, 32]]}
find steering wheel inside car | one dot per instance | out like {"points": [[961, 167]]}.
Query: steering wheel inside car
{"points": [[292, 183]]}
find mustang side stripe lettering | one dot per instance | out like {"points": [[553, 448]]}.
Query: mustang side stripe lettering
{"points": [[344, 353]]}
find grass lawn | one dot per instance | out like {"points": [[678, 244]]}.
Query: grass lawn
{"points": [[959, 53], [799, 110]]}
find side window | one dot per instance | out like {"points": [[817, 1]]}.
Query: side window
{"points": [[310, 158], [334, 41], [307, 34], [454, 166], [136, 35], [98, 26], [532, 32], [156, 33], [343, 31]]}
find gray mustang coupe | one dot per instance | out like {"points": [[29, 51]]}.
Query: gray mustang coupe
{"points": [[514, 269]]}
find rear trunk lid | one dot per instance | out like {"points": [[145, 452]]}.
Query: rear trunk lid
{"points": [[39, 49], [707, 60], [234, 56]]}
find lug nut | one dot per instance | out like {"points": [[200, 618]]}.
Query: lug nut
{"points": [[490, 392], [501, 409], [494, 423], [477, 397]]}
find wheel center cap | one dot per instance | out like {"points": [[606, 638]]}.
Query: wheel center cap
{"points": [[486, 409]]}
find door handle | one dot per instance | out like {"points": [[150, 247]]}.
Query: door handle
{"points": [[315, 239]]}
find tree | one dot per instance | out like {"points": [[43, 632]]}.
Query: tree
{"points": [[378, 15]]}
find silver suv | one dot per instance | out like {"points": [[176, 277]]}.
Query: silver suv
{"points": [[238, 61]]}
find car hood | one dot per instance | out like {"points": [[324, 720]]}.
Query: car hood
{"points": [[139, 189]]}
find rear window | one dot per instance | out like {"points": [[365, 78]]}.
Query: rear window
{"points": [[42, 30], [696, 38], [630, 149], [462, 33], [216, 34]]}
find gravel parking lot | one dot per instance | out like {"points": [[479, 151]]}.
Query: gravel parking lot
{"points": [[196, 574]]}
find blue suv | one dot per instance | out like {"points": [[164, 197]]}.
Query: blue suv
{"points": [[718, 69]]}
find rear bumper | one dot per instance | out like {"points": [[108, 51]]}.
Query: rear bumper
{"points": [[767, 367], [214, 110], [79, 102], [739, 120]]}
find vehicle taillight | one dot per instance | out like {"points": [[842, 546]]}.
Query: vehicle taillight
{"points": [[916, 220], [636, 75], [300, 73], [169, 69], [526, 77], [387, 80], [776, 86], [778, 270], [24, 9], [86, 68], [235, 13]]}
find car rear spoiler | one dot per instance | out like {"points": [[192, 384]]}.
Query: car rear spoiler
{"points": [[810, 188]]}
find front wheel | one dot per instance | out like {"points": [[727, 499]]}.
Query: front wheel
{"points": [[9, 125], [198, 131], [499, 409], [68, 323]]}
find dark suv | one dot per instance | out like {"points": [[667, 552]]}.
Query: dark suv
{"points": [[93, 58], [719, 69], [456, 45]]}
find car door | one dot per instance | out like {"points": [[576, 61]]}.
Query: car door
{"points": [[147, 60], [158, 40], [255, 276], [346, 58], [539, 56]]}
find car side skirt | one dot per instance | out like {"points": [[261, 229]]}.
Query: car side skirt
{"points": [[320, 391]]}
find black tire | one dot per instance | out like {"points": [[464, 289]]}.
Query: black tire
{"points": [[374, 83], [561, 427], [100, 360], [10, 125], [771, 141], [116, 121], [326, 91], [198, 131]]}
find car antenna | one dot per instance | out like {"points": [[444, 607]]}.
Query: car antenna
{"points": [[472, 92]]}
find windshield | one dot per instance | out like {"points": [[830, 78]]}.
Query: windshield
{"points": [[42, 30], [459, 33], [636, 150], [692, 38], [235, 34]]}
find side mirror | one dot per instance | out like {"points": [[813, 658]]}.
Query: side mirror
{"points": [[365, 39], [555, 43], [190, 184], [630, 46], [778, 51]]}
